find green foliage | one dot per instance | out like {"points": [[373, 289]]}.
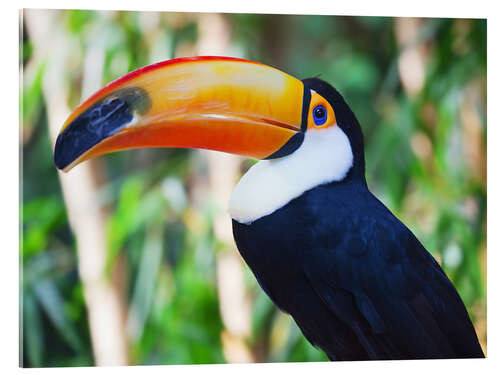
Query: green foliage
{"points": [[54, 328], [425, 156], [124, 222], [32, 95], [40, 218]]}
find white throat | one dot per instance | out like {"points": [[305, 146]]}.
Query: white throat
{"points": [[324, 156]]}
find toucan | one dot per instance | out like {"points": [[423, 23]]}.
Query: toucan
{"points": [[355, 279]]}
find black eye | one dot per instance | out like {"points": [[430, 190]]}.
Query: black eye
{"points": [[319, 115]]}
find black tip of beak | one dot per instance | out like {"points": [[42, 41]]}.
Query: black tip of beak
{"points": [[99, 122]]}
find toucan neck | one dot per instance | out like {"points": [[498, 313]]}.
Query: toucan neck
{"points": [[357, 173], [324, 156]]}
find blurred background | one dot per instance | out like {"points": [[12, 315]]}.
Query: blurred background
{"points": [[129, 259]]}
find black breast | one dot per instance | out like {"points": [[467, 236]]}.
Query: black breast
{"points": [[355, 279]]}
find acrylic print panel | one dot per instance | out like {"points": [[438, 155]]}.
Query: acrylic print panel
{"points": [[129, 258]]}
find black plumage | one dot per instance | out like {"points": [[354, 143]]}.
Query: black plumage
{"points": [[355, 279]]}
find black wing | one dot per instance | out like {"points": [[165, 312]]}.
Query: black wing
{"points": [[382, 283], [355, 279]]}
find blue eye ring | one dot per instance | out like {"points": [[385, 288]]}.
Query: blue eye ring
{"points": [[319, 115]]}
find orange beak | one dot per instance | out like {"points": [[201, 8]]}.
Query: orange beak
{"points": [[216, 103]]}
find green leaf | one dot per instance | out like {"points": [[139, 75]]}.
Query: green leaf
{"points": [[40, 218], [142, 296], [32, 329], [50, 299], [124, 221], [32, 97]]}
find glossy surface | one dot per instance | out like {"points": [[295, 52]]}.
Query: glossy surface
{"points": [[222, 104]]}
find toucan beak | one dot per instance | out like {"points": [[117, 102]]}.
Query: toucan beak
{"points": [[224, 104]]}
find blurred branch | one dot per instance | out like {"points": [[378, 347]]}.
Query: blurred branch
{"points": [[412, 60], [87, 217]]}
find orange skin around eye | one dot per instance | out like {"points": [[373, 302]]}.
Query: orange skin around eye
{"points": [[317, 99]]}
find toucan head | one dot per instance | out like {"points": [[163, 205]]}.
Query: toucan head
{"points": [[224, 104]]}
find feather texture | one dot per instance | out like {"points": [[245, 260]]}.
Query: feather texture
{"points": [[355, 279]]}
